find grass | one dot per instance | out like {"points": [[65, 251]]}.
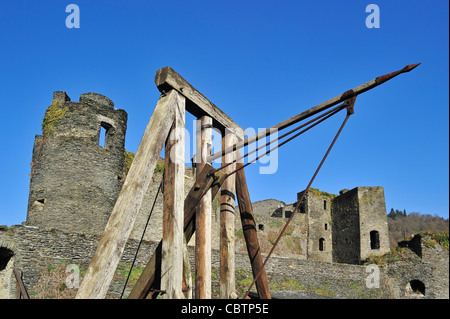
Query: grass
{"points": [[52, 283], [129, 158], [441, 238]]}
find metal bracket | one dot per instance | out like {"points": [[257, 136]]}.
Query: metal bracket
{"points": [[349, 105]]}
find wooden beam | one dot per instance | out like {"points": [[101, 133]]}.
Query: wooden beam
{"points": [[206, 180], [112, 243], [197, 104], [291, 121], [318, 108], [203, 215], [21, 291], [250, 231], [173, 210], [227, 212]]}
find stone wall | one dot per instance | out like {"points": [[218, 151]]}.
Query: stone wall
{"points": [[360, 227], [33, 248], [346, 239], [374, 230], [317, 207]]}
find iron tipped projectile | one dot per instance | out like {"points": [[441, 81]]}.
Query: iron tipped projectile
{"points": [[374, 83], [314, 110], [387, 77]]}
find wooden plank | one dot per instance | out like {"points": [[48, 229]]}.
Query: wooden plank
{"points": [[203, 215], [227, 213], [197, 104], [20, 285], [173, 210], [112, 243], [250, 231], [206, 180], [295, 119]]}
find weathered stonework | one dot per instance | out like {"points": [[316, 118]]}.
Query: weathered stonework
{"points": [[75, 183], [33, 248], [335, 228], [317, 208], [360, 226], [74, 180]]}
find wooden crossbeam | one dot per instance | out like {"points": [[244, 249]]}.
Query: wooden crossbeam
{"points": [[197, 104]]}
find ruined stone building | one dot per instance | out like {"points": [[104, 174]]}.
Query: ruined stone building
{"points": [[78, 168], [75, 180], [345, 228], [78, 171]]}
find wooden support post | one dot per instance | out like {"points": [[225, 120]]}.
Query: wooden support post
{"points": [[227, 205], [112, 243], [173, 208], [249, 228], [21, 291], [203, 215]]}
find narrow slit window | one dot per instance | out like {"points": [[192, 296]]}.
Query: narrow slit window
{"points": [[102, 137], [325, 204], [321, 244], [105, 130], [374, 240]]}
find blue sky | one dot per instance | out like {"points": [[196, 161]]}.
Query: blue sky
{"points": [[261, 62]]}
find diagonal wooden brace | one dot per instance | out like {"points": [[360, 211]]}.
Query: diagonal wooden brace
{"points": [[249, 228], [120, 224]]}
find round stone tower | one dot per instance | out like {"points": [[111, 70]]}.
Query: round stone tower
{"points": [[77, 165]]}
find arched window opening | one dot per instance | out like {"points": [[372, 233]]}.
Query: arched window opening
{"points": [[374, 239], [5, 256], [321, 244], [415, 287]]}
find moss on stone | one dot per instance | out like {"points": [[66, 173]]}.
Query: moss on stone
{"points": [[128, 159], [431, 238], [319, 193], [53, 115]]}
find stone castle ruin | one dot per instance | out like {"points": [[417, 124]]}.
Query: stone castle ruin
{"points": [[78, 168], [345, 228], [75, 181]]}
